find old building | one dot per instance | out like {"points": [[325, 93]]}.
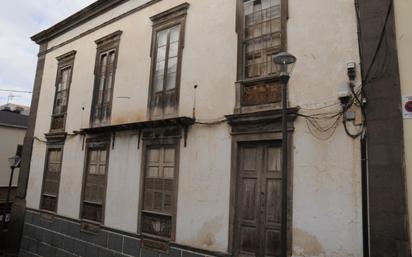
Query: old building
{"points": [[13, 127], [404, 47], [385, 46], [155, 128]]}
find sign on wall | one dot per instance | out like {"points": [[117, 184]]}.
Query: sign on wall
{"points": [[407, 107]]}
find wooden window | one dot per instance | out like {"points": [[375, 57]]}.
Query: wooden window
{"points": [[94, 182], [168, 32], [106, 60], [51, 179], [262, 36], [61, 98], [159, 192]]}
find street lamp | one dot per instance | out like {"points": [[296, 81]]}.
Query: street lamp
{"points": [[284, 63], [14, 162]]}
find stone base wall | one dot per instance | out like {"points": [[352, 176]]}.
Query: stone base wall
{"points": [[62, 237]]}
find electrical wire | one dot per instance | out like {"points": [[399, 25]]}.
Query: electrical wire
{"points": [[365, 81]]}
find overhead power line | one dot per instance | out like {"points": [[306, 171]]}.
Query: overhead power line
{"points": [[15, 91]]}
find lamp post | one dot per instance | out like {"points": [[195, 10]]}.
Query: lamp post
{"points": [[284, 63], [14, 163]]}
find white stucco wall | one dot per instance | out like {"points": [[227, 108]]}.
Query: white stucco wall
{"points": [[326, 184], [404, 45], [326, 179]]}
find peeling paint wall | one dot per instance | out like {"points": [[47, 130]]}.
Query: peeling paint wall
{"points": [[326, 184]]}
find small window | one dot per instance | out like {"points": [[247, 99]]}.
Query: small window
{"points": [[61, 98], [159, 192], [94, 184], [168, 32], [51, 180], [107, 52]]}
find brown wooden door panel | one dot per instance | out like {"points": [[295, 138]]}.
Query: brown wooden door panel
{"points": [[259, 200]]}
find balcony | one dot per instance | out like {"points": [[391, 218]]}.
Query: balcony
{"points": [[255, 95]]}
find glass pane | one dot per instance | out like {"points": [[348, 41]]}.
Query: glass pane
{"points": [[103, 64], [158, 83], [174, 34], [160, 67], [171, 81], [172, 65], [162, 38], [173, 49], [161, 53]]}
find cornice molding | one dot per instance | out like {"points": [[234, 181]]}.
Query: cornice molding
{"points": [[77, 19]]}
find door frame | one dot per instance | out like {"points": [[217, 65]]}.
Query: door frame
{"points": [[237, 140]]}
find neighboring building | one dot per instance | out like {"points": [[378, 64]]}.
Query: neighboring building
{"points": [[13, 127], [22, 109], [404, 48], [116, 164], [386, 52]]}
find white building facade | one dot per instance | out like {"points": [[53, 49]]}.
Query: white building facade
{"points": [[160, 133]]}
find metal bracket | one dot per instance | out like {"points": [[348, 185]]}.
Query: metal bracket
{"points": [[138, 138], [185, 131], [84, 139]]}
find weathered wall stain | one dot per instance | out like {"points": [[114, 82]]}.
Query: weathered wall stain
{"points": [[306, 244], [206, 235], [128, 117]]}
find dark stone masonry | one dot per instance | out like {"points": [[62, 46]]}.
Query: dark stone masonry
{"points": [[60, 237]]}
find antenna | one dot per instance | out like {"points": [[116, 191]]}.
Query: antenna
{"points": [[10, 97]]}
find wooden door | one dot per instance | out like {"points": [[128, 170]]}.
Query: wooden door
{"points": [[258, 210]]}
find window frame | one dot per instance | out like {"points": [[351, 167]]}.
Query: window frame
{"points": [[104, 140], [51, 146], [240, 30], [163, 21], [104, 44], [64, 61], [162, 143]]}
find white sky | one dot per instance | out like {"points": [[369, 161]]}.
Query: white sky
{"points": [[19, 20]]}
